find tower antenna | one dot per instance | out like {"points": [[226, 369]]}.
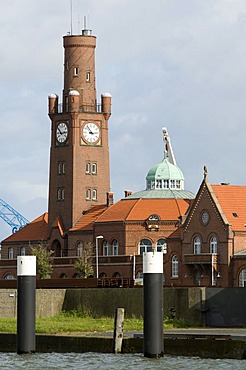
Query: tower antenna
{"points": [[71, 15]]}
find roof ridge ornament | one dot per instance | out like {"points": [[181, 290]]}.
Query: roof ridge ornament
{"points": [[205, 172]]}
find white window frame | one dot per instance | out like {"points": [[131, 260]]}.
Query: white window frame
{"points": [[79, 249], [94, 194], [165, 184], [161, 245], [87, 167], [76, 71], [213, 244], [22, 251], [145, 245], [106, 248], [242, 279], [197, 245], [11, 253], [88, 76], [88, 194], [94, 168], [115, 247], [175, 266]]}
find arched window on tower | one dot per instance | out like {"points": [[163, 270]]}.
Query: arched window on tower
{"points": [[88, 194]]}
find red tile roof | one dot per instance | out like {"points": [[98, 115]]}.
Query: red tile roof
{"points": [[141, 209], [34, 231], [89, 217], [232, 200], [132, 210]]}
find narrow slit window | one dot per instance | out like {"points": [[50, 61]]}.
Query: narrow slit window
{"points": [[76, 71], [94, 168], [88, 194], [88, 77], [88, 167]]}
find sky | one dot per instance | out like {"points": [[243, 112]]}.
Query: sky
{"points": [[179, 64]]}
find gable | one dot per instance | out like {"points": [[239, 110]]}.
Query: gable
{"points": [[205, 201]]}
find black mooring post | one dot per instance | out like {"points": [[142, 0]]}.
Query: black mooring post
{"points": [[153, 304], [26, 304]]}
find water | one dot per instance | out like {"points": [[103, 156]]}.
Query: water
{"points": [[103, 361]]}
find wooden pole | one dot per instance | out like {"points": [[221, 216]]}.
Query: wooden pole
{"points": [[118, 330]]}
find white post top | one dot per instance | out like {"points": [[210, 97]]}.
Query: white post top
{"points": [[153, 262], [26, 265]]}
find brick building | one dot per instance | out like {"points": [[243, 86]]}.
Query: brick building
{"points": [[202, 237]]}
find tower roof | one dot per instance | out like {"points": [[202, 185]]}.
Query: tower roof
{"points": [[165, 171]]}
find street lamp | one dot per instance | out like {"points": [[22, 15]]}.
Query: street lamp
{"points": [[98, 237]]}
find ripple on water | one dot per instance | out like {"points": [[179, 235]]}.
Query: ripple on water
{"points": [[102, 361]]}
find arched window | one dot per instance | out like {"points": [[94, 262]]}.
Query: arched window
{"points": [[103, 275], [79, 249], [145, 245], [106, 251], [139, 274], [88, 194], [56, 247], [197, 245], [22, 251], [162, 245], [115, 247], [175, 266], [11, 253], [116, 275], [242, 279], [9, 277], [213, 245]]}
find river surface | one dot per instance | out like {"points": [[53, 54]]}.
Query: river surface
{"points": [[103, 361]]}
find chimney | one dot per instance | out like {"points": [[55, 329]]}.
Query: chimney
{"points": [[127, 193], [110, 199]]}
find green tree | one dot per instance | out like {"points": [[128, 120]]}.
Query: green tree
{"points": [[84, 263], [43, 260]]}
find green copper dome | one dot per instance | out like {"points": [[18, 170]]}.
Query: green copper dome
{"points": [[165, 179], [165, 171]]}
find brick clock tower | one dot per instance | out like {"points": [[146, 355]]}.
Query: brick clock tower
{"points": [[79, 154]]}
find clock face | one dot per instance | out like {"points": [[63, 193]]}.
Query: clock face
{"points": [[61, 132], [91, 132]]}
